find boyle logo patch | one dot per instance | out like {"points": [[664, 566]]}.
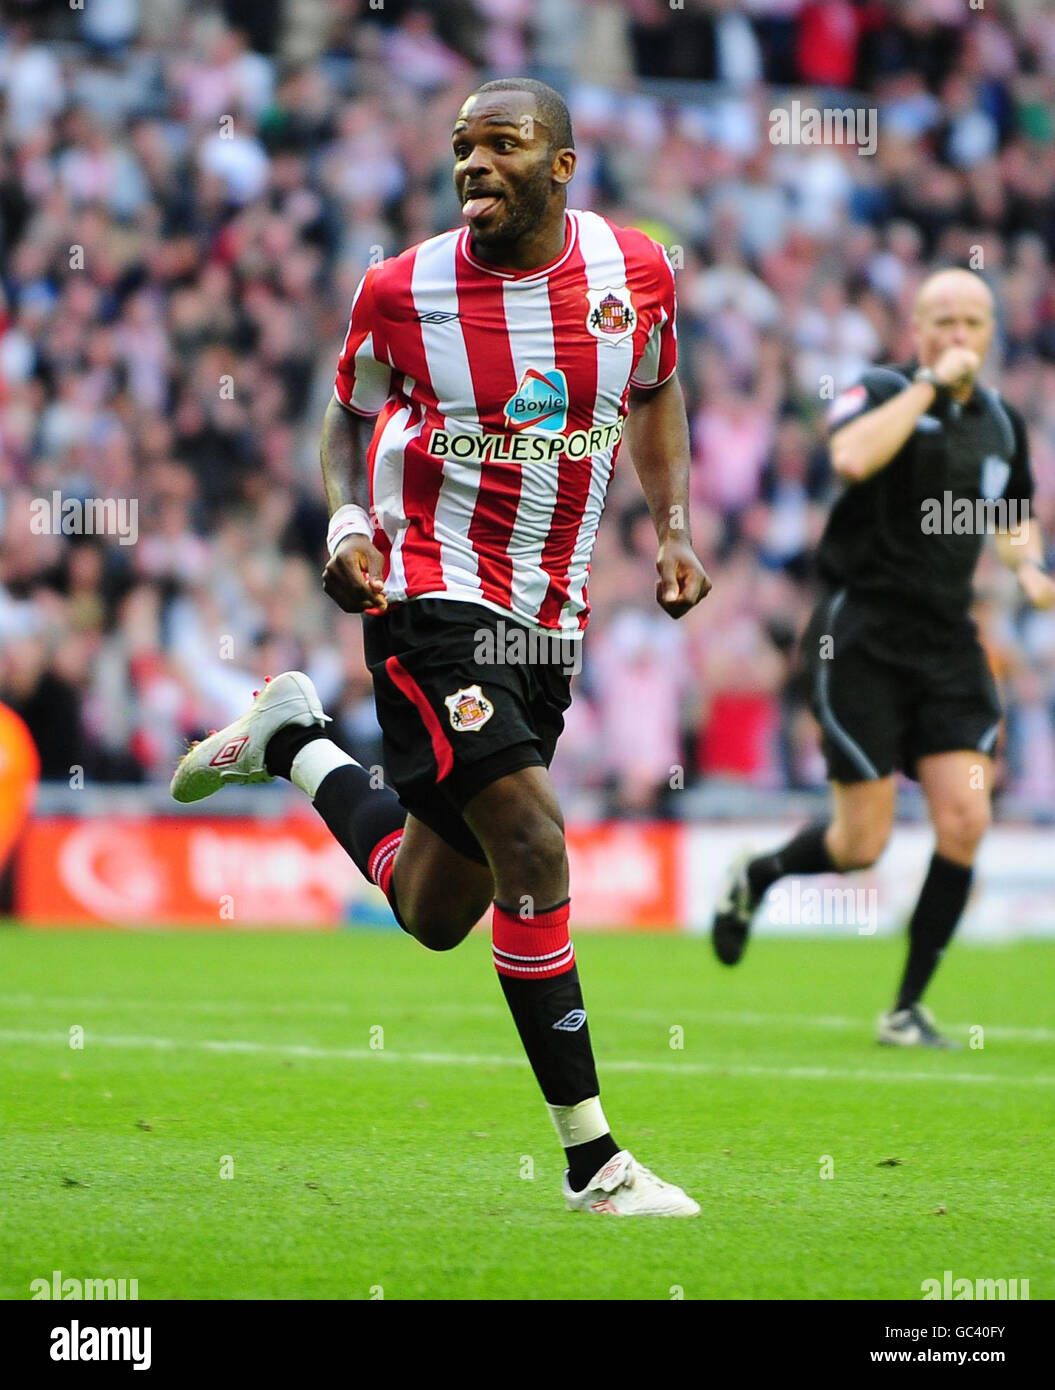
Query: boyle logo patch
{"points": [[540, 401], [612, 316], [468, 709]]}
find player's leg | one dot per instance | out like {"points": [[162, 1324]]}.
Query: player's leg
{"points": [[438, 892], [283, 735], [517, 819], [441, 893], [957, 787]]}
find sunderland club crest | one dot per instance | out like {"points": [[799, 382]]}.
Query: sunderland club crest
{"points": [[612, 316], [468, 709]]}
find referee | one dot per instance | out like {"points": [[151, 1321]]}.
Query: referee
{"points": [[931, 460]]}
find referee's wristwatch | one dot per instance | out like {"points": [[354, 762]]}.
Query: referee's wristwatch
{"points": [[930, 376]]}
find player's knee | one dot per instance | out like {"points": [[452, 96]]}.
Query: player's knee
{"points": [[441, 924], [441, 930], [534, 848]]}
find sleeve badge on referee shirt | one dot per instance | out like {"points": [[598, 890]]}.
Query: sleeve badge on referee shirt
{"points": [[468, 709], [849, 403], [612, 315]]}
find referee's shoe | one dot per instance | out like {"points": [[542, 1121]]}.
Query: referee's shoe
{"points": [[911, 1027], [734, 912]]}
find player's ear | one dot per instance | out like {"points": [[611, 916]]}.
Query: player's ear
{"points": [[562, 166]]}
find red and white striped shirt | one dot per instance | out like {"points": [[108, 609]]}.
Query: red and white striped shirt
{"points": [[501, 398]]}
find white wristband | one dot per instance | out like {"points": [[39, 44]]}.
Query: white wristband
{"points": [[346, 521]]}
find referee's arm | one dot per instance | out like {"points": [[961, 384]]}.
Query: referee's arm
{"points": [[866, 444]]}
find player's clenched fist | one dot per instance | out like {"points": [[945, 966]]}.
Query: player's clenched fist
{"points": [[353, 577], [682, 579]]}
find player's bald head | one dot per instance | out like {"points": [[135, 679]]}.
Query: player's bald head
{"points": [[955, 286]]}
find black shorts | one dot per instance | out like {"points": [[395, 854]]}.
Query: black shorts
{"points": [[464, 696], [890, 686]]}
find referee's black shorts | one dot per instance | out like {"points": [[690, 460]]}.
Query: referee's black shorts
{"points": [[889, 687], [464, 696]]}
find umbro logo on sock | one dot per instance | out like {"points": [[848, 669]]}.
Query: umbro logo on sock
{"points": [[571, 1022]]}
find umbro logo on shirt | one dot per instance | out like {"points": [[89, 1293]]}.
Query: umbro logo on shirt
{"points": [[436, 316]]}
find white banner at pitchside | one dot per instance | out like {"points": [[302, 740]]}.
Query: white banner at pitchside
{"points": [[1013, 894]]}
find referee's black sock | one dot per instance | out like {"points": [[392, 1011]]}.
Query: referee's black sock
{"points": [[805, 854], [940, 905]]}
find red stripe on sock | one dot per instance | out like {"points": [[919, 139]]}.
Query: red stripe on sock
{"points": [[383, 859], [405, 682], [532, 948]]}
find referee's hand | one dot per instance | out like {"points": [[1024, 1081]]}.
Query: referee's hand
{"points": [[957, 367], [1037, 586], [682, 579], [353, 577]]}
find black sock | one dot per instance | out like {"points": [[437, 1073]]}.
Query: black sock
{"points": [[586, 1160], [357, 814], [561, 1058], [283, 747], [939, 907], [805, 854]]}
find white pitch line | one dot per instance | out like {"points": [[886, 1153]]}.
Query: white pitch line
{"points": [[231, 1007], [448, 1059]]}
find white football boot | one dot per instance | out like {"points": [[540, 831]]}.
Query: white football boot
{"points": [[624, 1187], [236, 753]]}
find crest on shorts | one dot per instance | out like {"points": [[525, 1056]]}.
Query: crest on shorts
{"points": [[612, 315], [468, 709]]}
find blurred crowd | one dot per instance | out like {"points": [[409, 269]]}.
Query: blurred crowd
{"points": [[189, 194]]}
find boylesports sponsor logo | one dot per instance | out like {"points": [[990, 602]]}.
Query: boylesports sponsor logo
{"points": [[540, 401], [525, 448]]}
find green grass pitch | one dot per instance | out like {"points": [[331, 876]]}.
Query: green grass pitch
{"points": [[427, 1167]]}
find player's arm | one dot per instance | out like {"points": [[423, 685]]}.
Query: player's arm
{"points": [[352, 577], [657, 432], [867, 443]]}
